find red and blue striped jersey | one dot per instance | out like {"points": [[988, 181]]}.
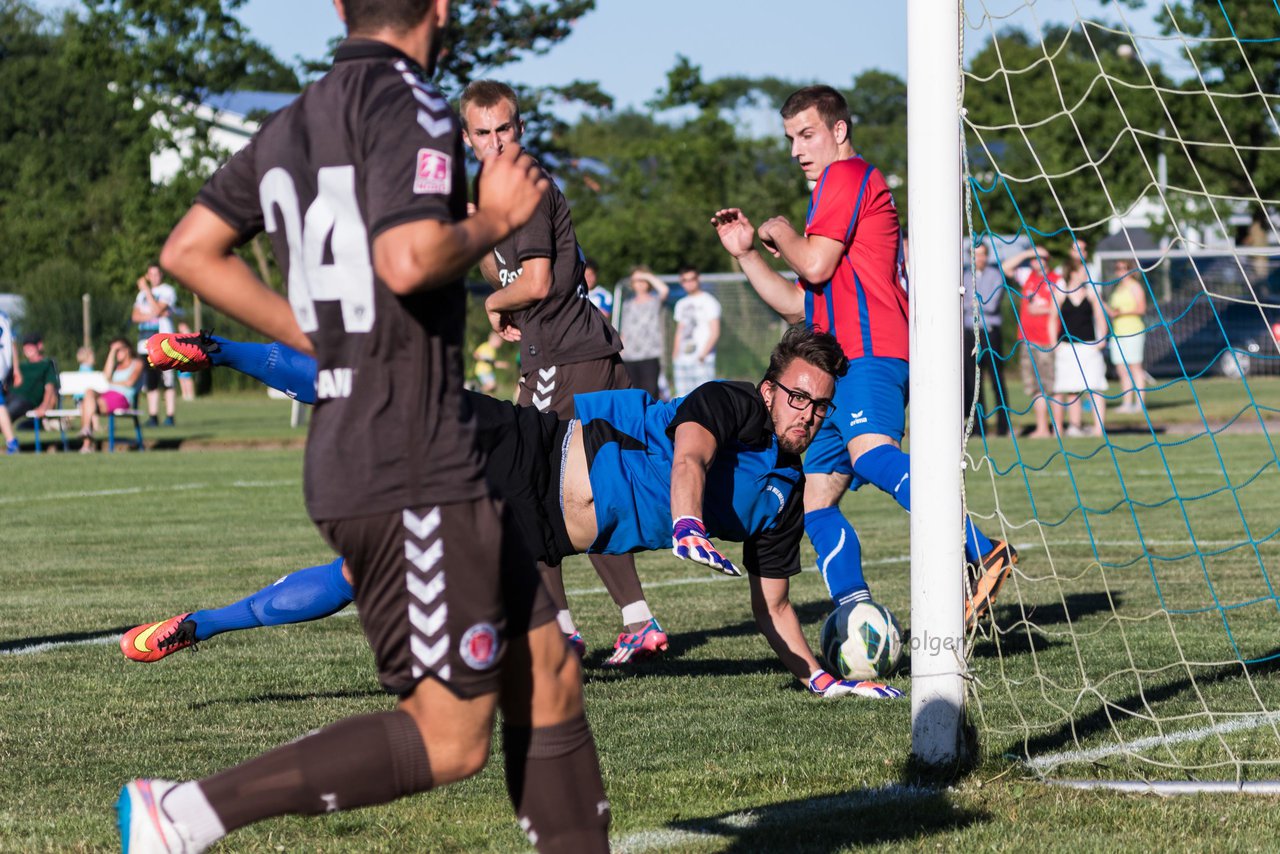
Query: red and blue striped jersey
{"points": [[864, 304]]}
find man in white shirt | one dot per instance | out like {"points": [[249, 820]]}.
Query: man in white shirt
{"points": [[697, 314], [153, 312]]}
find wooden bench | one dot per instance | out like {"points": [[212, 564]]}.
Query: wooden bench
{"points": [[74, 384]]}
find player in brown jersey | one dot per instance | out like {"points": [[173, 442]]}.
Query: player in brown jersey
{"points": [[566, 346], [360, 185]]}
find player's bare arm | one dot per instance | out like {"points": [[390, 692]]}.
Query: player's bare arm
{"points": [[426, 254], [780, 625], [695, 449], [489, 268], [813, 257], [737, 235], [528, 289], [199, 254]]}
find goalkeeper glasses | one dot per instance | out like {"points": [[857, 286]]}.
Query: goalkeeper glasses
{"points": [[800, 400]]}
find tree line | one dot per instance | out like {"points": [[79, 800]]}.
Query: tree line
{"points": [[80, 214]]}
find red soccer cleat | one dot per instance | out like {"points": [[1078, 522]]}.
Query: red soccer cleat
{"points": [[153, 641], [188, 351]]}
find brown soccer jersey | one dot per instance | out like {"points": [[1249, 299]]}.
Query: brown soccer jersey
{"points": [[564, 327], [368, 147]]}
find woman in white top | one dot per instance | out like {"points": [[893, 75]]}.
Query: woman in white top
{"points": [[1080, 327], [122, 370]]}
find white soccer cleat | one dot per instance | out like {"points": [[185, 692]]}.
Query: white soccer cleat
{"points": [[145, 828]]}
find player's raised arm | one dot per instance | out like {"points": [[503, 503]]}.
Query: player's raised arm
{"points": [[695, 448], [737, 235], [199, 254], [813, 257], [427, 254]]}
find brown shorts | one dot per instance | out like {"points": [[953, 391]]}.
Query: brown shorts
{"points": [[1037, 382], [551, 389], [440, 590]]}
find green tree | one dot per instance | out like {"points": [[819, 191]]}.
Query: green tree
{"points": [[1060, 132], [1229, 114]]}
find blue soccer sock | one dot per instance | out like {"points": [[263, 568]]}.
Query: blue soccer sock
{"points": [[307, 594], [274, 365], [890, 469], [839, 554]]}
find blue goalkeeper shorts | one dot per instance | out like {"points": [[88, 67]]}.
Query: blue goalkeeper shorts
{"points": [[870, 398]]}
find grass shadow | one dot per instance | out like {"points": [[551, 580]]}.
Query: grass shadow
{"points": [[855, 818], [1104, 719]]}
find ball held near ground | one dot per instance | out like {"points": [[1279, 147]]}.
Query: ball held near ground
{"points": [[862, 640]]}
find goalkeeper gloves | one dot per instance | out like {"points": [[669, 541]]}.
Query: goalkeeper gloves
{"points": [[826, 685], [689, 541]]}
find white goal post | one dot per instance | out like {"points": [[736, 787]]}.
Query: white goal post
{"points": [[937, 532]]}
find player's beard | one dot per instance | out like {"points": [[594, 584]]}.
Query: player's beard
{"points": [[789, 444]]}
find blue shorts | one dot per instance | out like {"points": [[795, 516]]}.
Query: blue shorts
{"points": [[870, 398]]}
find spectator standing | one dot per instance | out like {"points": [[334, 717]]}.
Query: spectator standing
{"points": [[153, 312], [693, 359], [1127, 307], [641, 330], [1080, 327], [38, 389], [1033, 322], [987, 286], [122, 370], [600, 297], [8, 363]]}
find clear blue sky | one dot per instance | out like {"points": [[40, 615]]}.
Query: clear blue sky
{"points": [[628, 45]]}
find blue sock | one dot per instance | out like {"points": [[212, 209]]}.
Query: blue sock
{"points": [[976, 543], [839, 554], [275, 365], [890, 469], [307, 594]]}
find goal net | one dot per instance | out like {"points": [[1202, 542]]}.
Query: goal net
{"points": [[1139, 636]]}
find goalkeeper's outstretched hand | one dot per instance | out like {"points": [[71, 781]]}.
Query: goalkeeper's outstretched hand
{"points": [[689, 541], [826, 685]]}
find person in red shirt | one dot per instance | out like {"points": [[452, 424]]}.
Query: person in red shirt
{"points": [[1033, 329], [852, 283]]}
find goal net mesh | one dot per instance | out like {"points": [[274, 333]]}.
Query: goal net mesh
{"points": [[1139, 636]]}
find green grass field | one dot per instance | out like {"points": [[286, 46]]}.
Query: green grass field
{"points": [[714, 747]]}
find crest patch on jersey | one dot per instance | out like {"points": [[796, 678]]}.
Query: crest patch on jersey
{"points": [[479, 646], [434, 173]]}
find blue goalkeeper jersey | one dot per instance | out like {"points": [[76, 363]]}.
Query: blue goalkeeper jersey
{"points": [[753, 489]]}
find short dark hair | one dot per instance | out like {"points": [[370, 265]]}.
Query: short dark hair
{"points": [[488, 93], [688, 268], [802, 341], [829, 103], [591, 264], [366, 16]]}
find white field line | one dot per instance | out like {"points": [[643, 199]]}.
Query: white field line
{"points": [[138, 490], [1052, 760], [45, 647], [721, 829]]}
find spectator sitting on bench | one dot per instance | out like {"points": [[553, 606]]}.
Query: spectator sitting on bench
{"points": [[38, 389], [122, 370]]}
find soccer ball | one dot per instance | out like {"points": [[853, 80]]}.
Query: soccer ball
{"points": [[862, 640]]}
